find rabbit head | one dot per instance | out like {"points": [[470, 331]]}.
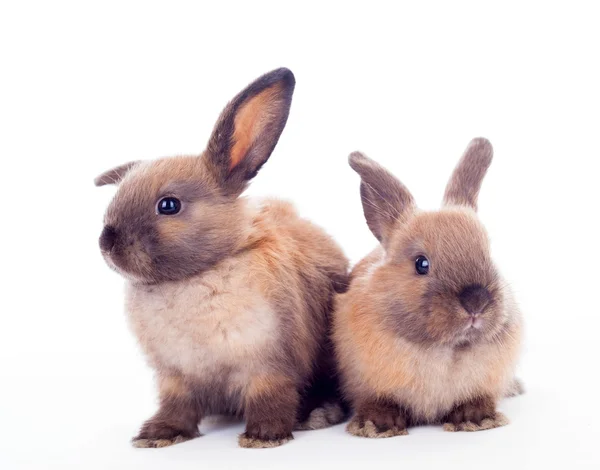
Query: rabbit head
{"points": [[437, 283], [174, 217]]}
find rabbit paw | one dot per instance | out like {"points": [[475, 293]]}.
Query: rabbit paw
{"points": [[264, 435], [369, 429], [378, 419], [476, 415], [155, 443], [261, 435], [253, 442], [155, 434], [496, 421]]}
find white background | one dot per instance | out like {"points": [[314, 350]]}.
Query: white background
{"points": [[85, 86]]}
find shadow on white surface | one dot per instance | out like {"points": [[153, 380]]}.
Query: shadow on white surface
{"points": [[76, 433]]}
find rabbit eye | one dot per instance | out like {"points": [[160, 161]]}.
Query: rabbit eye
{"points": [[422, 265], [169, 206]]}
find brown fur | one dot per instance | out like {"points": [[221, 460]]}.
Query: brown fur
{"points": [[497, 421], [408, 339], [271, 404], [229, 298], [465, 182], [385, 199], [239, 147], [367, 428], [473, 411], [380, 417], [477, 414], [177, 418]]}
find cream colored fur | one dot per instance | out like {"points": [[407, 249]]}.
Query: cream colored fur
{"points": [[217, 320]]}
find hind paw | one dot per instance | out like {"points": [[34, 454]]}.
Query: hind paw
{"points": [[322, 417]]}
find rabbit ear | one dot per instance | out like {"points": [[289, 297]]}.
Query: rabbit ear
{"points": [[114, 175], [463, 187], [248, 130], [386, 201]]}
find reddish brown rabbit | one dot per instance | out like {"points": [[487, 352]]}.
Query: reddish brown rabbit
{"points": [[428, 331], [230, 300]]}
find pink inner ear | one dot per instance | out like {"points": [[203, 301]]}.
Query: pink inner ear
{"points": [[250, 121]]}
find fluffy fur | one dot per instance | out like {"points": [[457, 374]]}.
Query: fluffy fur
{"points": [[434, 348], [229, 299]]}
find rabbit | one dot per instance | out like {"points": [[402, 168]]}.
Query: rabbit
{"points": [[229, 298], [427, 332]]}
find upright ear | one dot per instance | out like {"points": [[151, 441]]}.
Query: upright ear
{"points": [[386, 201], [248, 130], [114, 175], [463, 187]]}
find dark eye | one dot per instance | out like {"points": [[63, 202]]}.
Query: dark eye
{"points": [[169, 206], [422, 265]]}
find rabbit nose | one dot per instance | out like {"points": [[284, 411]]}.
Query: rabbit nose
{"points": [[107, 238], [474, 299]]}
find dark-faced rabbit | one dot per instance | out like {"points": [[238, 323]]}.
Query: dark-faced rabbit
{"points": [[229, 299]]}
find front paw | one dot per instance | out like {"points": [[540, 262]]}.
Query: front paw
{"points": [[251, 442], [155, 443], [378, 419], [154, 435], [476, 415], [263, 436]]}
